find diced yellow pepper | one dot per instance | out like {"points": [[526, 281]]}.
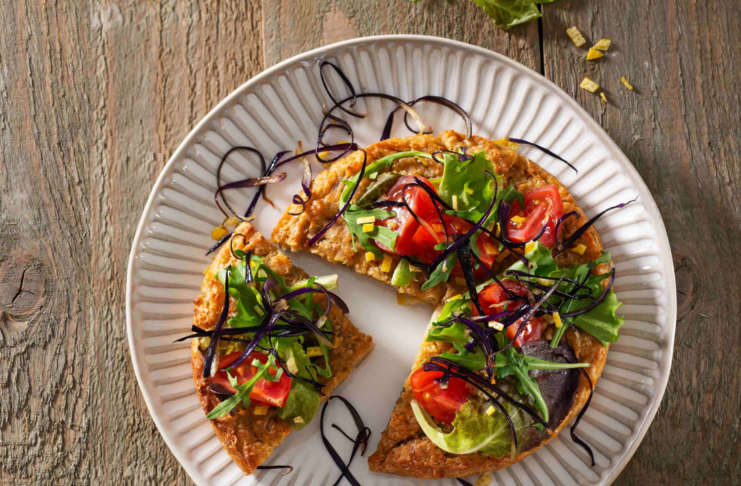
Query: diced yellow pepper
{"points": [[579, 249], [366, 219], [386, 263], [529, 246], [589, 85], [313, 351], [218, 233], [576, 36], [455, 202], [369, 256], [491, 410], [231, 221], [298, 420], [261, 410], [594, 54], [602, 44], [626, 83], [368, 227], [557, 320], [517, 219], [603, 97]]}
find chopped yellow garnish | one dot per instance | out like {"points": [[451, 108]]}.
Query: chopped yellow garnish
{"points": [[231, 221], [484, 480], [517, 219], [496, 325], [298, 420], [589, 85], [576, 36], [579, 249], [323, 155], [369, 256], [412, 268], [386, 263], [602, 44], [626, 83], [507, 143], [366, 219], [368, 227], [218, 233], [557, 320], [594, 54], [468, 190], [529, 246], [499, 229], [455, 202], [260, 410], [313, 351], [491, 410], [603, 97]]}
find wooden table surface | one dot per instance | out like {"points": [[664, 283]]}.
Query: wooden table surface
{"points": [[95, 96]]}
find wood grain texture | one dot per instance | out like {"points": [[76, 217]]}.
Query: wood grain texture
{"points": [[95, 96], [93, 99], [680, 129]]}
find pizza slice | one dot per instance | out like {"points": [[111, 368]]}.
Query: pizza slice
{"points": [[265, 356], [489, 388]]}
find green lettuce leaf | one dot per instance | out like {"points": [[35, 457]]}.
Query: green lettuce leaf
{"points": [[508, 13], [473, 429]]}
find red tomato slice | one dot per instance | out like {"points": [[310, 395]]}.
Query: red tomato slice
{"points": [[441, 403], [531, 331], [419, 240], [273, 393], [494, 299], [542, 206]]}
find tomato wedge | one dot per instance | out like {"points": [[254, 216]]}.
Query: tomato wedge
{"points": [[494, 299], [441, 403], [417, 239], [272, 393], [543, 206]]}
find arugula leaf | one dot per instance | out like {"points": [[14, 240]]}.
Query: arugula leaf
{"points": [[467, 181], [243, 391], [508, 13], [441, 273], [377, 166], [381, 234]]}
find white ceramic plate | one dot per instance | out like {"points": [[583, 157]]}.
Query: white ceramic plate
{"points": [[282, 106]]}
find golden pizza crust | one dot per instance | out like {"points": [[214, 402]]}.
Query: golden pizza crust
{"points": [[248, 438]]}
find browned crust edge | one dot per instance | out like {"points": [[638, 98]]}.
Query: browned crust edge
{"points": [[249, 439]]}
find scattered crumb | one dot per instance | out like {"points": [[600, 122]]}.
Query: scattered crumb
{"points": [[626, 83], [484, 480], [594, 54], [576, 36], [589, 85], [603, 97], [602, 44]]}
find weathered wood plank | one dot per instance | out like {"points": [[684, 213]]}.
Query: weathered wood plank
{"points": [[680, 128], [93, 100], [293, 27]]}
